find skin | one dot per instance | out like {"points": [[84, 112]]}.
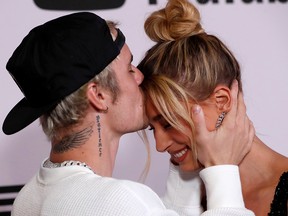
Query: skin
{"points": [[130, 102], [259, 170], [177, 144], [169, 140], [97, 136]]}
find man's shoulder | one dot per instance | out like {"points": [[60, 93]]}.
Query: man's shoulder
{"points": [[113, 185], [89, 192], [120, 189]]}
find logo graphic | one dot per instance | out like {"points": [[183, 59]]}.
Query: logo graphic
{"points": [[80, 4]]}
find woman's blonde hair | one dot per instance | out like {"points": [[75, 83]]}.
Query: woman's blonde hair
{"points": [[185, 64]]}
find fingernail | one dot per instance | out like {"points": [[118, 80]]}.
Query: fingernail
{"points": [[196, 109]]}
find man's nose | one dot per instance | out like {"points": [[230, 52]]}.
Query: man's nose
{"points": [[139, 77]]}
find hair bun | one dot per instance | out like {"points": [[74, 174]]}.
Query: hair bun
{"points": [[179, 19]]}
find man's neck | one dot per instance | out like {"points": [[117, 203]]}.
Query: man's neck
{"points": [[98, 152]]}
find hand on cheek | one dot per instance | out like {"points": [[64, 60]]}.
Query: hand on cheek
{"points": [[230, 143]]}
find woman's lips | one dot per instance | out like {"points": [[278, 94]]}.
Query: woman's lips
{"points": [[179, 156]]}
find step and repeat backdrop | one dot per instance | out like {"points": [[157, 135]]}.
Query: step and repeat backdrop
{"points": [[255, 30]]}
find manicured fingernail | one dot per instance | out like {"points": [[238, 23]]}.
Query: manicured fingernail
{"points": [[196, 109]]}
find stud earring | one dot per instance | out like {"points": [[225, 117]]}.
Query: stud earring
{"points": [[220, 120]]}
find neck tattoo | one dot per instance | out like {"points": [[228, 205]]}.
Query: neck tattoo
{"points": [[99, 135], [73, 140]]}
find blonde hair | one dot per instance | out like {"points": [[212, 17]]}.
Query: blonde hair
{"points": [[185, 62], [165, 95]]}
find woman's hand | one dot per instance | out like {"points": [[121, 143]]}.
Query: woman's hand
{"points": [[230, 143]]}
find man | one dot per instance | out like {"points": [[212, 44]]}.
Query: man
{"points": [[76, 75]]}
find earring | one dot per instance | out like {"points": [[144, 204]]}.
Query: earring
{"points": [[220, 120], [106, 110]]}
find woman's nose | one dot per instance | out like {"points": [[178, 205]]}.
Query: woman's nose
{"points": [[162, 142]]}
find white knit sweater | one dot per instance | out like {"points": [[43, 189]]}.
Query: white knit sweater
{"points": [[77, 191]]}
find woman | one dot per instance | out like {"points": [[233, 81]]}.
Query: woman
{"points": [[185, 67]]}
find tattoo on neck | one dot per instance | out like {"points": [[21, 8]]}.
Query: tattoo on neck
{"points": [[99, 135], [73, 140]]}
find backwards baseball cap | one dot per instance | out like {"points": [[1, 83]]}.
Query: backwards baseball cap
{"points": [[54, 60]]}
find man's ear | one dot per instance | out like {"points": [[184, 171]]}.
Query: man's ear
{"points": [[97, 96], [222, 97]]}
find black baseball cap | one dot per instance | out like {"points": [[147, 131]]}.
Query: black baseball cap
{"points": [[54, 60]]}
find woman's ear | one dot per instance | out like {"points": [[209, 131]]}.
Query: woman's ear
{"points": [[97, 97], [222, 97]]}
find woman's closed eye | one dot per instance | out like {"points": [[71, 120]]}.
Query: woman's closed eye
{"points": [[165, 126]]}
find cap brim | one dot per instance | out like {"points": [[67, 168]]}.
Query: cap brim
{"points": [[22, 115]]}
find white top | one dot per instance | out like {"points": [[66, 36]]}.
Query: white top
{"points": [[77, 191], [223, 189]]}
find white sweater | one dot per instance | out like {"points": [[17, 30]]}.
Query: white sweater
{"points": [[77, 191]]}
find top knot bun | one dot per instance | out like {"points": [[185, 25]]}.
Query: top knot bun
{"points": [[179, 19]]}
